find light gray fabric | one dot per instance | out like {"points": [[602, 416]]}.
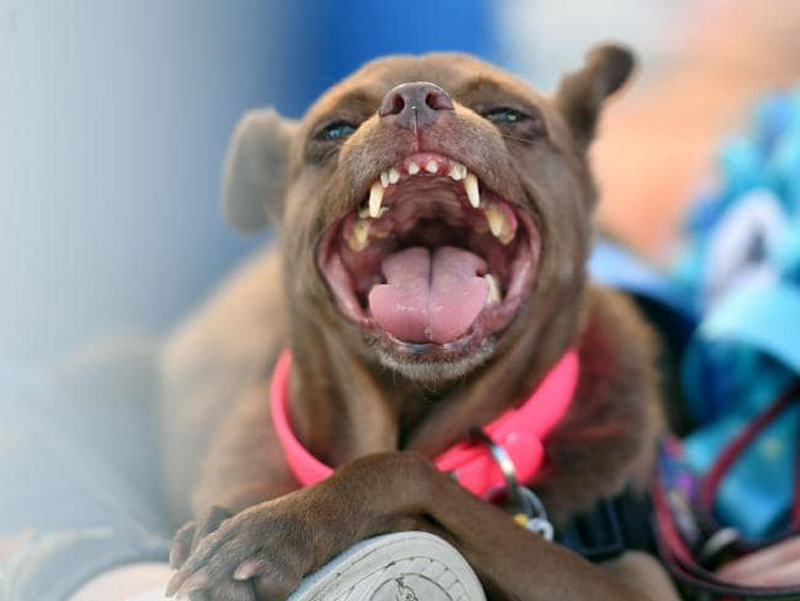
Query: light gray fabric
{"points": [[78, 466]]}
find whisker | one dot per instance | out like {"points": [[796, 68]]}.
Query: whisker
{"points": [[520, 140]]}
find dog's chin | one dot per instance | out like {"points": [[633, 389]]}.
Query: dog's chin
{"points": [[430, 365], [430, 266]]}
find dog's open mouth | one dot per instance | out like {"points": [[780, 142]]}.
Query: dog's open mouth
{"points": [[431, 256]]}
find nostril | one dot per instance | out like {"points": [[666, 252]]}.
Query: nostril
{"points": [[398, 104], [438, 101], [393, 104], [430, 100]]}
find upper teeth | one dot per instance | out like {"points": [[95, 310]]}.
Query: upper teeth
{"points": [[364, 212], [360, 236], [496, 219], [471, 188], [375, 199], [458, 171], [391, 176], [499, 225]]}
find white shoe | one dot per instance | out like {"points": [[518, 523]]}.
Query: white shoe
{"points": [[407, 566]]}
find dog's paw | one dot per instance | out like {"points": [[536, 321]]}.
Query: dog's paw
{"points": [[227, 591], [182, 545], [193, 531], [267, 547]]}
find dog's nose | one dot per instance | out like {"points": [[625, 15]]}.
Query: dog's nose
{"points": [[415, 104]]}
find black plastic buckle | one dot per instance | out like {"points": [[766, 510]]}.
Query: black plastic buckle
{"points": [[597, 535]]}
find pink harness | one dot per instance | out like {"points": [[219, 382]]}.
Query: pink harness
{"points": [[519, 432]]}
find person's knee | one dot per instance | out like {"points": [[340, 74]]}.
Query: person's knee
{"points": [[131, 582]]}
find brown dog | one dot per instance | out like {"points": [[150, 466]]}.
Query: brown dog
{"points": [[434, 216]]}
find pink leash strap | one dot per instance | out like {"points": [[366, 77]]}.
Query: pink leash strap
{"points": [[519, 431]]}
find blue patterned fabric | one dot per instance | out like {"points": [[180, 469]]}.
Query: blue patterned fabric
{"points": [[738, 281], [741, 265]]}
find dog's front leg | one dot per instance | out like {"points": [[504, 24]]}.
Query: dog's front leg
{"points": [[277, 542]]}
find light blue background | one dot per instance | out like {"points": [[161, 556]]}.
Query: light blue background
{"points": [[114, 116]]}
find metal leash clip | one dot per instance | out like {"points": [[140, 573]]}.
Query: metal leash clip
{"points": [[531, 513], [535, 515]]}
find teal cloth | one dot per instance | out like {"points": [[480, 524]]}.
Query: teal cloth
{"points": [[742, 265]]}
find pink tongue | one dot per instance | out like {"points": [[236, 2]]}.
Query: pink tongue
{"points": [[429, 299]]}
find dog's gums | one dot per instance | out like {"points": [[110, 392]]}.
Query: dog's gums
{"points": [[430, 258]]}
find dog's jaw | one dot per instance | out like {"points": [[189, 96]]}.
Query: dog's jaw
{"points": [[391, 216], [427, 369], [431, 265]]}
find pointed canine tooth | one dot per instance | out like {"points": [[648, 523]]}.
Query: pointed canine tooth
{"points": [[507, 236], [375, 200], [494, 289], [384, 178], [360, 237], [394, 176], [364, 212], [413, 168], [456, 171], [499, 225], [432, 166], [495, 218], [471, 187]]}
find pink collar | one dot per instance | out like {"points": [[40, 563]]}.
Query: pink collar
{"points": [[518, 431]]}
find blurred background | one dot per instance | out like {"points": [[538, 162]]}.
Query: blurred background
{"points": [[114, 117]]}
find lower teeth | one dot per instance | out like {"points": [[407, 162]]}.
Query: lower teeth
{"points": [[494, 289]]}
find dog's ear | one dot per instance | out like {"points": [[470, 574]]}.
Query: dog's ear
{"points": [[581, 94], [254, 180]]}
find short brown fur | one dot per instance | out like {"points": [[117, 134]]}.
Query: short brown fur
{"points": [[351, 405]]}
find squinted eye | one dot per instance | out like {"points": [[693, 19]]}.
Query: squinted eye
{"points": [[515, 125], [504, 115], [338, 130]]}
